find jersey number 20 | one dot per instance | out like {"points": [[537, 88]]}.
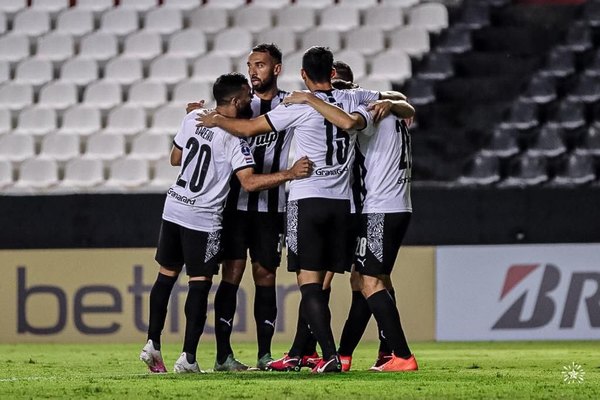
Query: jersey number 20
{"points": [[200, 167]]}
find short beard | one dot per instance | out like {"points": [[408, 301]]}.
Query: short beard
{"points": [[246, 112], [264, 86]]}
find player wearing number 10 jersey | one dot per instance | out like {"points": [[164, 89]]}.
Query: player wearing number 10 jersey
{"points": [[191, 228]]}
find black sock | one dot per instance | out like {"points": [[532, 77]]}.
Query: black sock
{"points": [[354, 328], [317, 314], [303, 339], [383, 345], [159, 300], [265, 313], [385, 312], [195, 316], [225, 304], [310, 342]]}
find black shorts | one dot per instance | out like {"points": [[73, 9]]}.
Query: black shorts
{"points": [[199, 251], [352, 238], [259, 232], [318, 235], [379, 241]]}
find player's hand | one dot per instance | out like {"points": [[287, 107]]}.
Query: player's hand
{"points": [[194, 106], [380, 109], [207, 119], [302, 168], [297, 97]]}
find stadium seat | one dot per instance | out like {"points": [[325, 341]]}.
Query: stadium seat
{"points": [[322, 37], [455, 40], [150, 147], [366, 40], [31, 22], [420, 92], [2, 23], [36, 121], [37, 174], [295, 18], [81, 120], [61, 148], [340, 18], [253, 19], [4, 71], [233, 42], [16, 148], [283, 37], [119, 21], [105, 147], [98, 46], [431, 16], [591, 14], [75, 22], [53, 7], [179, 43], [208, 20], [560, 63], [403, 4], [590, 142], [272, 4], [211, 66], [55, 47], [413, 40], [102, 94], [167, 69], [127, 173], [142, 45], [14, 47], [138, 5], [183, 5], [5, 121], [125, 120], [11, 7], [392, 65], [578, 169], [191, 90], [226, 4], [95, 6], [355, 60], [360, 4], [165, 21], [163, 177], [481, 170], [547, 143], [502, 143], [290, 79], [540, 90], [386, 18], [569, 115], [436, 66], [123, 71], [578, 39], [316, 4], [526, 171], [593, 67], [522, 115], [166, 120], [586, 90], [83, 173], [79, 71], [15, 96], [34, 72], [373, 83], [474, 16], [147, 94], [6, 174]]}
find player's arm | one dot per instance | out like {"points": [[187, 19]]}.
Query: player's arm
{"points": [[332, 113], [382, 108], [252, 182], [176, 154], [235, 126], [392, 95]]}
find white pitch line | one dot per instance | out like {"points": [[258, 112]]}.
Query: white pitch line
{"points": [[49, 378]]}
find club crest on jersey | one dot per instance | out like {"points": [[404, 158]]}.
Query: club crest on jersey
{"points": [[264, 140]]}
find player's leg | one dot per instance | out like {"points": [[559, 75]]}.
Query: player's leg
{"points": [[202, 255], [168, 253], [225, 302]]}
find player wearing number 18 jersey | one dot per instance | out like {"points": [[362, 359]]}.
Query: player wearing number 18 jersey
{"points": [[191, 227]]}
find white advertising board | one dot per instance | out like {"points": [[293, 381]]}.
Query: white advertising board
{"points": [[518, 292]]}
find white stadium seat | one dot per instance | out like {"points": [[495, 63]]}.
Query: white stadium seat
{"points": [[297, 19], [209, 20], [105, 147], [403, 4], [355, 60], [37, 174], [15, 96], [163, 20], [119, 21], [79, 71], [290, 73], [138, 5], [51, 6], [167, 119], [36, 121], [273, 4], [12, 6], [233, 42], [188, 43], [414, 40], [322, 37], [254, 19], [360, 4], [378, 84], [283, 37], [83, 173], [31, 22], [392, 65], [98, 46], [128, 173], [96, 6], [191, 90], [5, 121], [58, 95], [75, 21], [16, 148], [366, 40], [34, 71], [384, 17], [4, 71], [147, 94], [143, 45], [167, 69], [316, 4], [2, 23], [81, 120], [210, 66], [55, 47], [61, 148], [150, 147], [431, 16], [125, 120], [164, 175], [183, 5], [14, 47], [227, 4], [124, 71], [340, 18], [6, 174], [103, 94]]}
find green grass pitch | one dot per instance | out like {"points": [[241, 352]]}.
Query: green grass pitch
{"points": [[483, 370]]}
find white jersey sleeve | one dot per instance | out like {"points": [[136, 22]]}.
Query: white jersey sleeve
{"points": [[367, 96], [289, 115], [238, 151]]}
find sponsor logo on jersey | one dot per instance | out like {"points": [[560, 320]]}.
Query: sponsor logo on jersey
{"points": [[178, 197], [265, 139], [330, 172], [403, 180]]}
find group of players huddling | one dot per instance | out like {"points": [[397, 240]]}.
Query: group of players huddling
{"points": [[348, 209]]}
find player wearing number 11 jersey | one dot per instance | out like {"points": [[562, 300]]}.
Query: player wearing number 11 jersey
{"points": [[190, 232]]}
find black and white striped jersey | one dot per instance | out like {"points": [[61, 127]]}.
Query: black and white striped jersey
{"points": [[270, 152], [330, 148], [384, 161], [210, 156]]}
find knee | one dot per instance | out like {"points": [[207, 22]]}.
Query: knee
{"points": [[355, 281], [263, 276], [233, 272]]}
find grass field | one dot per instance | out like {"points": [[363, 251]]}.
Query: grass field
{"points": [[524, 370]]}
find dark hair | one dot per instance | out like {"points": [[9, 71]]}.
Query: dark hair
{"points": [[343, 71], [227, 86], [270, 48], [342, 84], [317, 62]]}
